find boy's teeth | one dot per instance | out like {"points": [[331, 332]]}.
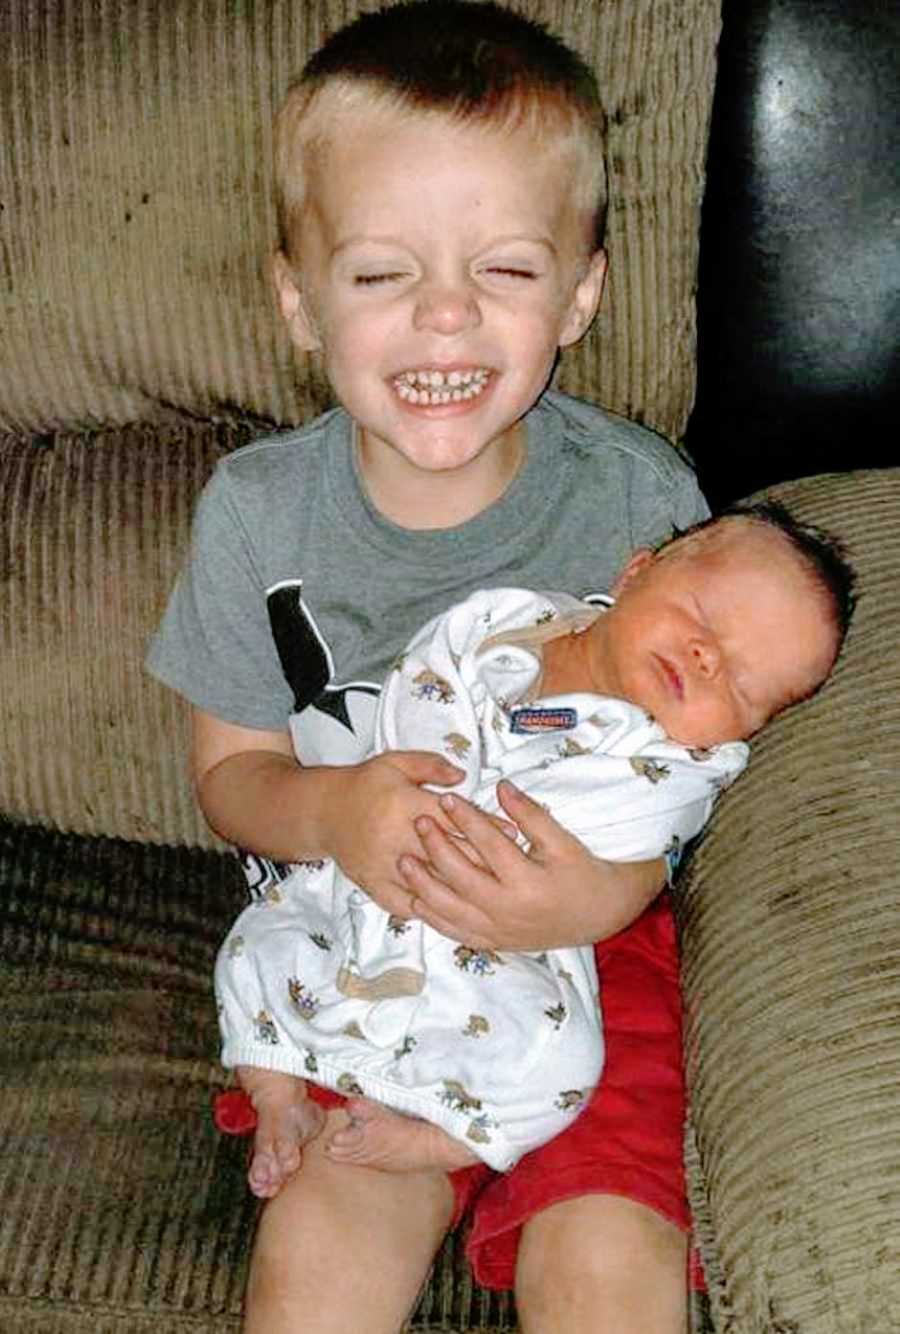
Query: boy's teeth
{"points": [[433, 387]]}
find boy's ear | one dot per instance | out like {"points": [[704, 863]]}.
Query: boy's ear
{"points": [[639, 561], [292, 305], [585, 300]]}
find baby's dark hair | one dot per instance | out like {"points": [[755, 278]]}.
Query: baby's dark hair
{"points": [[473, 61], [821, 552]]}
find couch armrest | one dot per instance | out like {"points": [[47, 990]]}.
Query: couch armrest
{"points": [[790, 918]]}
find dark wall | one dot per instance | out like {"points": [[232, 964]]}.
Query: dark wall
{"points": [[799, 289]]}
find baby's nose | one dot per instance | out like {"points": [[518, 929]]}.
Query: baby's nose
{"points": [[447, 308], [705, 657]]}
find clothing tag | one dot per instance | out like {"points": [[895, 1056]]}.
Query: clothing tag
{"points": [[542, 720]]}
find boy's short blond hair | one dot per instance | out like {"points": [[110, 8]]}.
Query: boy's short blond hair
{"points": [[474, 63]]}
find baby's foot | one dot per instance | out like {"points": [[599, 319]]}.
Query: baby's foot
{"points": [[378, 1137], [286, 1120]]}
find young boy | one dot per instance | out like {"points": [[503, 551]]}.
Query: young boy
{"points": [[625, 725], [441, 198]]}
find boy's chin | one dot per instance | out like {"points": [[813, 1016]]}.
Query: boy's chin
{"points": [[442, 460], [440, 447]]}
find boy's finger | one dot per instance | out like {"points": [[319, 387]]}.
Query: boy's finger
{"points": [[424, 766], [431, 890], [449, 928], [512, 798], [485, 832], [535, 822], [450, 855], [506, 827], [469, 864]]}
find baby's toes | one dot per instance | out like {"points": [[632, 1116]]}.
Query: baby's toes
{"points": [[310, 1119], [264, 1175], [287, 1157]]}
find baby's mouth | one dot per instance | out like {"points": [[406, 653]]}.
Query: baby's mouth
{"points": [[433, 387]]}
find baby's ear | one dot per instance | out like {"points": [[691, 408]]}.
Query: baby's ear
{"points": [[292, 305], [585, 300], [639, 561]]}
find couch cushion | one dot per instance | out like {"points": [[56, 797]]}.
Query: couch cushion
{"points": [[790, 915], [135, 222], [122, 1207], [94, 530]]}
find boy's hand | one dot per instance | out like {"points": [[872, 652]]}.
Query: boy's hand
{"points": [[255, 795], [554, 895], [373, 822]]}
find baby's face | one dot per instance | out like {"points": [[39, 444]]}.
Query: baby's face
{"points": [[442, 266], [715, 638]]}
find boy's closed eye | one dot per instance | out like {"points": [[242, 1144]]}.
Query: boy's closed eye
{"points": [[511, 271], [511, 266], [373, 279], [365, 266], [508, 273]]}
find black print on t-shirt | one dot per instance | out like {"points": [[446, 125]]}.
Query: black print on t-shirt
{"points": [[333, 723], [304, 655]]}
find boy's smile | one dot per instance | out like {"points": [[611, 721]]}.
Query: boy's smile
{"points": [[436, 388], [441, 267]]}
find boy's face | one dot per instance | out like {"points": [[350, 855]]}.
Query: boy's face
{"points": [[715, 637], [441, 268]]}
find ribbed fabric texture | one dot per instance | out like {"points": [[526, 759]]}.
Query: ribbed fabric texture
{"points": [[123, 1209], [135, 176], [94, 530], [123, 1206], [791, 945]]}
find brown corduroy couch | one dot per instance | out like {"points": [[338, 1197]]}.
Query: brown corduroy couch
{"points": [[137, 344]]}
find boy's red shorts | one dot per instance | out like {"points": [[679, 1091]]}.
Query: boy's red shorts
{"points": [[628, 1140]]}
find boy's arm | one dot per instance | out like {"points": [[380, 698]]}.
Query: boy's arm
{"points": [[253, 793], [555, 895]]}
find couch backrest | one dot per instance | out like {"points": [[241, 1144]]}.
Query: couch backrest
{"points": [[135, 324], [136, 182]]}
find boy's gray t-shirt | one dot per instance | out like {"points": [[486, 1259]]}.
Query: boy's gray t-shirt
{"points": [[297, 593]]}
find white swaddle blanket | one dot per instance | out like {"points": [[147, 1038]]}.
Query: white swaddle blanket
{"points": [[501, 1049]]}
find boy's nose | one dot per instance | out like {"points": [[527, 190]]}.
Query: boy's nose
{"points": [[447, 308]]}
